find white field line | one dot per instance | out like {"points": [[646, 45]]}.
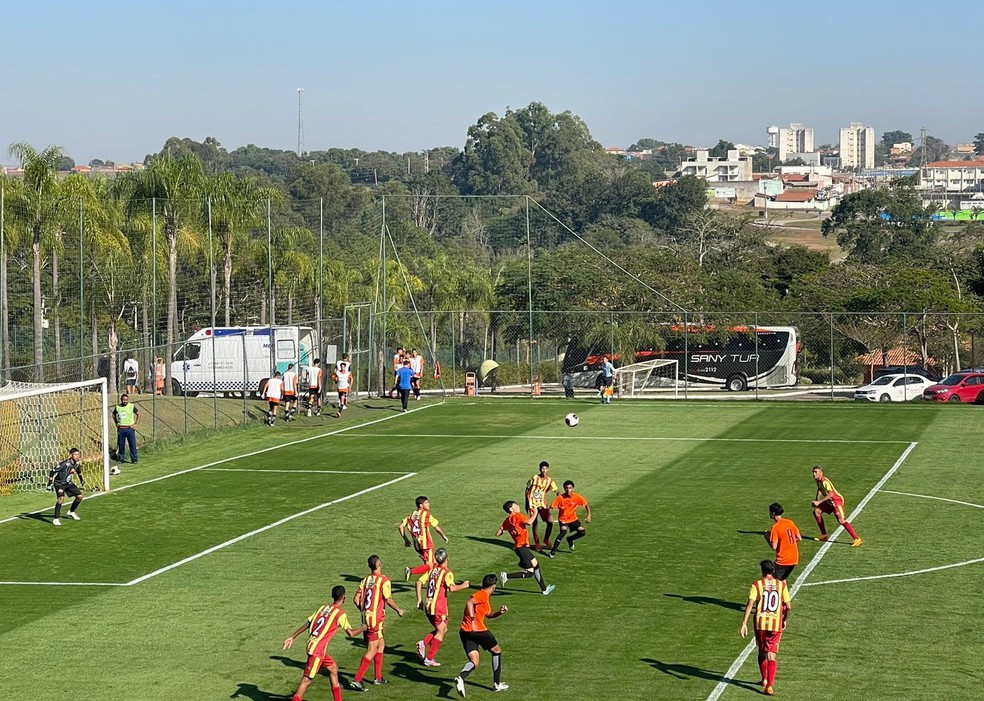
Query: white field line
{"points": [[257, 531], [909, 573], [801, 580], [233, 458], [309, 472], [568, 437], [214, 548]]}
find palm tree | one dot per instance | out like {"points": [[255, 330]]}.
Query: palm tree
{"points": [[174, 186], [37, 204], [8, 240]]}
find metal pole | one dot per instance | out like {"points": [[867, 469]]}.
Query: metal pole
{"points": [[211, 276], [81, 295], [382, 340], [529, 283], [830, 354], [3, 253], [269, 267], [321, 279], [153, 328]]}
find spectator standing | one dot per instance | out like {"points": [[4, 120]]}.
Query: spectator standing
{"points": [[159, 373], [131, 371], [404, 383], [126, 416]]}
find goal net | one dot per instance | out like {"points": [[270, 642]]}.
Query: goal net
{"points": [[648, 378], [40, 423]]}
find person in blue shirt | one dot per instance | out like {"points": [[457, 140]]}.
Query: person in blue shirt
{"points": [[608, 370], [404, 383]]}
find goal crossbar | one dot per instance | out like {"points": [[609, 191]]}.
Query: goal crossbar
{"points": [[648, 376]]}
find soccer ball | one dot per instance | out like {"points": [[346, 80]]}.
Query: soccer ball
{"points": [[114, 470], [571, 419]]}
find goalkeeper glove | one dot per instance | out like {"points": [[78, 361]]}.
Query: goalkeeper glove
{"points": [[51, 486]]}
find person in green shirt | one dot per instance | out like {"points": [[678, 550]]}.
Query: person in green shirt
{"points": [[126, 416]]}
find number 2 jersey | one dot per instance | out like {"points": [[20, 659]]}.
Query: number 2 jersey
{"points": [[323, 624], [769, 594]]}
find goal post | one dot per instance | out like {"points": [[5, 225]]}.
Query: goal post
{"points": [[39, 423], [649, 378]]}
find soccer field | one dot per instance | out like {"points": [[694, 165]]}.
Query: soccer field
{"points": [[184, 584]]}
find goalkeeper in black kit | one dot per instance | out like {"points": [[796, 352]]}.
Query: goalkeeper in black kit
{"points": [[60, 481]]}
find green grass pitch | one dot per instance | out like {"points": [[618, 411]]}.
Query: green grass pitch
{"points": [[185, 587]]}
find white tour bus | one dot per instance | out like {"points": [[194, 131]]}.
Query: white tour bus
{"points": [[239, 359]]}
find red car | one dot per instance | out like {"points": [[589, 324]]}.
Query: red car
{"points": [[963, 386]]}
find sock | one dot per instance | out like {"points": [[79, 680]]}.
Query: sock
{"points": [[546, 535], [560, 537], [295, 697], [427, 640], [578, 535], [467, 669], [497, 668], [336, 693], [823, 529], [419, 569], [435, 645], [363, 666], [764, 668], [772, 672], [57, 510], [539, 578], [519, 575], [378, 665], [75, 505], [850, 529]]}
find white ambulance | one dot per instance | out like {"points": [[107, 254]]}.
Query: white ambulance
{"points": [[238, 359]]}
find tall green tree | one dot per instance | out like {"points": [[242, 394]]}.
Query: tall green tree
{"points": [[897, 136], [979, 144], [721, 149], [37, 204]]}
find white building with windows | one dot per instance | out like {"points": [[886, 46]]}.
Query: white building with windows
{"points": [[953, 184], [733, 168], [792, 141], [857, 146]]}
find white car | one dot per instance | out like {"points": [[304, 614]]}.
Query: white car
{"points": [[893, 388]]}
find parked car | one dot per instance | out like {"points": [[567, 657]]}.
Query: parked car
{"points": [[963, 386], [893, 388], [904, 370]]}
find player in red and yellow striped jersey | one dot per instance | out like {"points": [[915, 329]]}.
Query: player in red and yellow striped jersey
{"points": [[830, 501], [419, 523], [770, 599], [372, 597], [537, 489], [321, 627], [439, 581]]}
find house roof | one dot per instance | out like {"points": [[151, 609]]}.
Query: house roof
{"points": [[796, 196], [893, 356], [794, 177], [956, 164]]}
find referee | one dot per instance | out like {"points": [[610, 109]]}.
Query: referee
{"points": [[126, 416], [60, 480]]}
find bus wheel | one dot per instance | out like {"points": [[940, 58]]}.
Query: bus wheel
{"points": [[736, 383]]}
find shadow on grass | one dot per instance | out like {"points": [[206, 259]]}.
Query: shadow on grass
{"points": [[708, 601], [686, 671], [491, 541], [753, 532], [45, 518], [254, 693]]}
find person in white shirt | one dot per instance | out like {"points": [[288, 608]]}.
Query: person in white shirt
{"points": [[343, 381], [290, 393], [131, 371], [273, 393], [314, 377], [417, 365]]}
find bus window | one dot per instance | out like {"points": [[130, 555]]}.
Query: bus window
{"points": [[189, 351]]}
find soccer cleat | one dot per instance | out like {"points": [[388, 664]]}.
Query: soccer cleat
{"points": [[309, 413], [422, 651], [503, 578], [550, 588], [56, 522], [75, 516], [821, 538], [856, 543], [459, 685], [357, 686], [498, 686], [431, 663], [406, 574], [769, 691], [551, 555], [380, 681]]}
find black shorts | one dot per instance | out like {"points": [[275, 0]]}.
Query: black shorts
{"points": [[783, 571], [526, 557], [572, 526], [314, 392], [68, 489], [472, 641]]}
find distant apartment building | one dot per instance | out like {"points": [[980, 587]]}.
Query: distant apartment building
{"points": [[953, 184], [857, 146], [733, 168], [792, 141]]}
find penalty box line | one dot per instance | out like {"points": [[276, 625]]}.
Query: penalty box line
{"points": [[220, 546], [739, 662], [682, 439], [233, 458]]}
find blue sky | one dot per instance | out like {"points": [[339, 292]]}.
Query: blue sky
{"points": [[113, 80]]}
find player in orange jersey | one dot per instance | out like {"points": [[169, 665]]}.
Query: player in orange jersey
{"points": [[537, 489], [439, 581], [783, 538], [830, 501], [567, 505], [515, 525], [321, 626], [770, 599], [419, 523], [474, 635], [372, 597]]}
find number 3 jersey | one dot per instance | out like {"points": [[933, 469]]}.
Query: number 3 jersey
{"points": [[769, 594]]}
